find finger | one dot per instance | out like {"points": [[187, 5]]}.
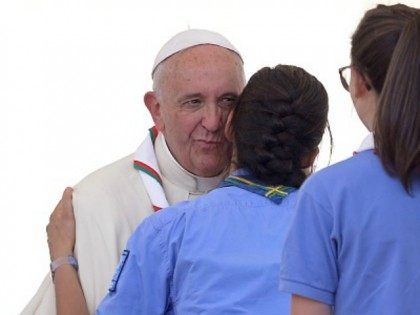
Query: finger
{"points": [[67, 192], [67, 200], [53, 214], [57, 209], [63, 203], [67, 196]]}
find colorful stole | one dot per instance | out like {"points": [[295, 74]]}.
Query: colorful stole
{"points": [[275, 193], [146, 163]]}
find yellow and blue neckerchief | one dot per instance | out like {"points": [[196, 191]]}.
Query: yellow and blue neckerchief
{"points": [[242, 179]]}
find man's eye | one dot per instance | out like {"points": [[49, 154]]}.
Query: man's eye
{"points": [[193, 102], [227, 101]]}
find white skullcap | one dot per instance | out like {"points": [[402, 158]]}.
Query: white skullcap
{"points": [[191, 38]]}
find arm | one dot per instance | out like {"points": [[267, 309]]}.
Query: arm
{"points": [[305, 306], [61, 239], [68, 292]]}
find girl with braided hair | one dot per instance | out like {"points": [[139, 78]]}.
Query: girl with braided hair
{"points": [[220, 253], [353, 245]]}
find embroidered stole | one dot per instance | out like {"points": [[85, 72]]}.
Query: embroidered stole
{"points": [[145, 162]]}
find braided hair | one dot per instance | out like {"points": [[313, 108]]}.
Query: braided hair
{"points": [[279, 120]]}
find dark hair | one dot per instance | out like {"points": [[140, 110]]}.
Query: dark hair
{"points": [[279, 120], [386, 48]]}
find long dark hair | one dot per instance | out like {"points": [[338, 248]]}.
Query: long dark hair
{"points": [[279, 120], [386, 48]]}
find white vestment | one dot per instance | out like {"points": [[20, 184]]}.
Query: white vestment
{"points": [[108, 206]]}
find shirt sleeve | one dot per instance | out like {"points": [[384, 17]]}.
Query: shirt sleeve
{"points": [[308, 266], [141, 281]]}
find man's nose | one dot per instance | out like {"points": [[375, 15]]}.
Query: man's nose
{"points": [[212, 117]]}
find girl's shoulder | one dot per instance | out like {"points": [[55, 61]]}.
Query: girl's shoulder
{"points": [[357, 170]]}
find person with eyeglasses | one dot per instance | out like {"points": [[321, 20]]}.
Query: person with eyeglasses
{"points": [[353, 246]]}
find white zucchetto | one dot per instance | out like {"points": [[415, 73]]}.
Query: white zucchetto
{"points": [[191, 38]]}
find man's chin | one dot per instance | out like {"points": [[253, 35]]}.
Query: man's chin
{"points": [[207, 167]]}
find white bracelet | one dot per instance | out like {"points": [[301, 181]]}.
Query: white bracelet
{"points": [[60, 261]]}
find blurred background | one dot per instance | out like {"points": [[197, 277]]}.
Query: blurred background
{"points": [[72, 79]]}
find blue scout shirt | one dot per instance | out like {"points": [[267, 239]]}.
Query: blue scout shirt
{"points": [[218, 254], [355, 240]]}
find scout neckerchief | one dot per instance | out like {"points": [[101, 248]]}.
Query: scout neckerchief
{"points": [[146, 163], [243, 180], [367, 144]]}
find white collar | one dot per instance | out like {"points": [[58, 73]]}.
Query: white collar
{"points": [[367, 144], [179, 176]]}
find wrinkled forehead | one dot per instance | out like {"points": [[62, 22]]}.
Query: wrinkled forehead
{"points": [[204, 55], [202, 69]]}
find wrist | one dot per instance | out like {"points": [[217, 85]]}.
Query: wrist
{"points": [[61, 253], [62, 261]]}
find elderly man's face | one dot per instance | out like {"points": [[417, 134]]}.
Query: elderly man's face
{"points": [[197, 88]]}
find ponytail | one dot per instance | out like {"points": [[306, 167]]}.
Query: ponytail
{"points": [[397, 126]]}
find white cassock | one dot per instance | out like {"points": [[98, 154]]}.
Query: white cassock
{"points": [[108, 206]]}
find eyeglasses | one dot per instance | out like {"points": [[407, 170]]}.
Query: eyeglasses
{"points": [[345, 76]]}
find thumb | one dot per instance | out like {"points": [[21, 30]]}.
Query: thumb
{"points": [[67, 198]]}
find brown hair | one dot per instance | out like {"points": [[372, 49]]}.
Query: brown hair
{"points": [[386, 48], [279, 120]]}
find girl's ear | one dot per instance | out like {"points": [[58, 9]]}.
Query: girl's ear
{"points": [[309, 160], [358, 84]]}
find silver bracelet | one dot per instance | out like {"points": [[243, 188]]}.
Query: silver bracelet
{"points": [[60, 261]]}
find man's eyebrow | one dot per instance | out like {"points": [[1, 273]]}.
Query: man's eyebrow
{"points": [[199, 95], [235, 94], [189, 96]]}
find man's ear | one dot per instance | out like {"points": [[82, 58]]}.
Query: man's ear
{"points": [[153, 106], [359, 84], [228, 127]]}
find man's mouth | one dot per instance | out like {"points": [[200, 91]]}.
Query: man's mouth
{"points": [[209, 144]]}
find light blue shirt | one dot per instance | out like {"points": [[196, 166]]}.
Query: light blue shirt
{"points": [[355, 240], [218, 254]]}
